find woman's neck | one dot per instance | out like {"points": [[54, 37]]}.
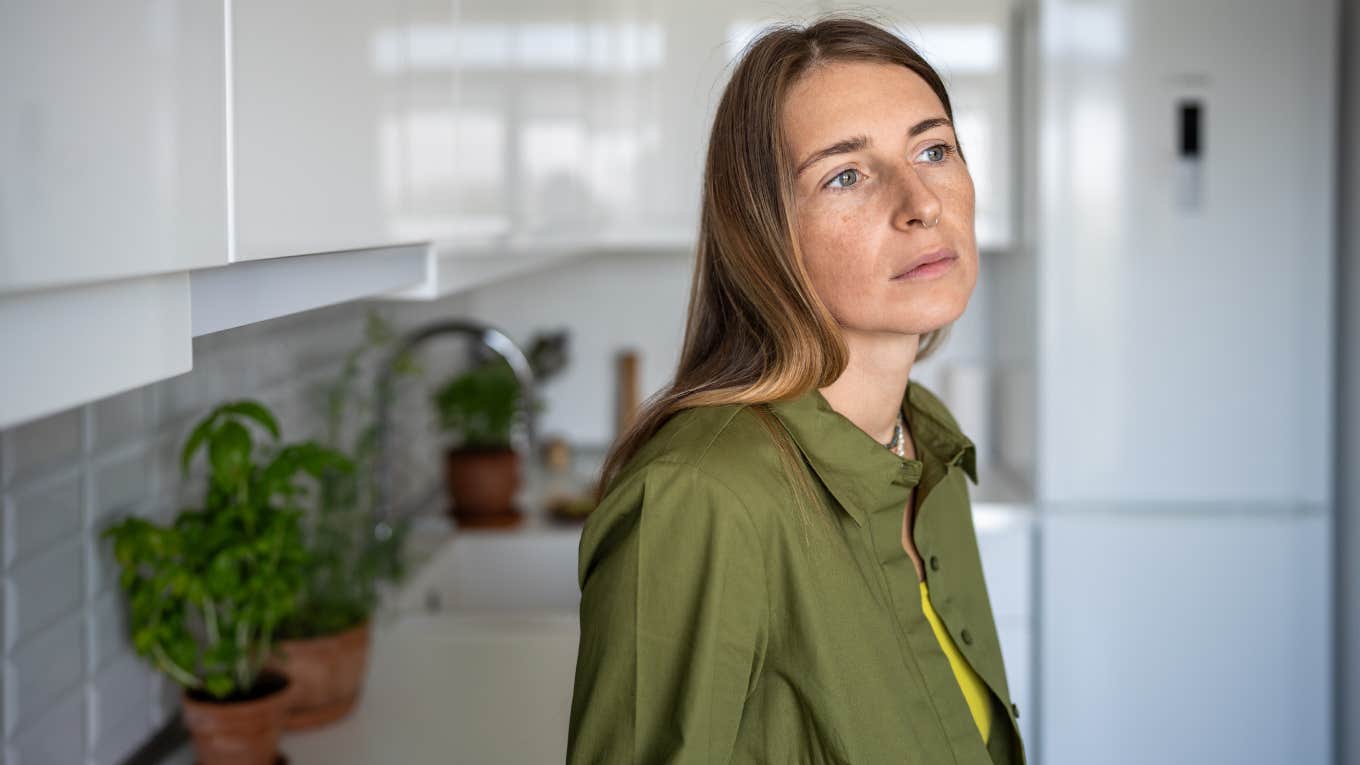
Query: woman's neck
{"points": [[869, 392]]}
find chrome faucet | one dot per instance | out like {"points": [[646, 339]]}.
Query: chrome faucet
{"points": [[489, 337]]}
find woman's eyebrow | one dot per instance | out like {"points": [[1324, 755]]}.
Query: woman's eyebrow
{"points": [[861, 142]]}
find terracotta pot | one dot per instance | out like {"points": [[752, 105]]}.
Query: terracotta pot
{"points": [[239, 732], [326, 673], [482, 484]]}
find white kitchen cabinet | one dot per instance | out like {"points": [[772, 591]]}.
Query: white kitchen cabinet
{"points": [[515, 191], [681, 70], [64, 347], [519, 126], [146, 144], [152, 138], [424, 57], [112, 140], [319, 104]]}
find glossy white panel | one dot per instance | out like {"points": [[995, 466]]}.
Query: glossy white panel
{"points": [[319, 102], [1175, 636], [699, 42], [426, 128], [476, 48], [1185, 352], [112, 140], [67, 346], [244, 293]]}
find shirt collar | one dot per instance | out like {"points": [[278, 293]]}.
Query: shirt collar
{"points": [[855, 467]]}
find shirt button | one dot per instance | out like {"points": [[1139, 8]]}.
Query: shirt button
{"points": [[967, 637], [934, 563], [1015, 711]]}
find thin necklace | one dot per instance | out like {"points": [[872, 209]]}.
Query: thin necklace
{"points": [[896, 445]]}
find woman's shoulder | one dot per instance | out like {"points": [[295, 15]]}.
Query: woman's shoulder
{"points": [[724, 448], [728, 443], [706, 468]]}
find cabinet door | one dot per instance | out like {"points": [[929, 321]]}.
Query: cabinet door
{"points": [[480, 50], [319, 102], [112, 140], [626, 50], [664, 79], [518, 125], [548, 196], [426, 131]]}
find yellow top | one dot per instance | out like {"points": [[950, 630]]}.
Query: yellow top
{"points": [[974, 690]]}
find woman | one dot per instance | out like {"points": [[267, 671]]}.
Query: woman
{"points": [[783, 566]]}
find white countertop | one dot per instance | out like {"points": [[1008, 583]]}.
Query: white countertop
{"points": [[457, 689]]}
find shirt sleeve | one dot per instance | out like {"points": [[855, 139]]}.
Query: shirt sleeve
{"points": [[673, 622]]}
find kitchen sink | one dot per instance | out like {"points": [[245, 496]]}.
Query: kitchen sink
{"points": [[472, 571]]}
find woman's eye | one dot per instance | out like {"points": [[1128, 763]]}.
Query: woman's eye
{"points": [[840, 177], [942, 151]]}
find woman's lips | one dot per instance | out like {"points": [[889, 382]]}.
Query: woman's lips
{"points": [[930, 269]]}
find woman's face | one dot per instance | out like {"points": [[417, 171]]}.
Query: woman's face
{"points": [[880, 186]]}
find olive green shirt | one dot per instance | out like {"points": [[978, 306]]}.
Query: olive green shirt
{"points": [[720, 623]]}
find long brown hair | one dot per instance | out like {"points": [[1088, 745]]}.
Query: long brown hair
{"points": [[756, 330]]}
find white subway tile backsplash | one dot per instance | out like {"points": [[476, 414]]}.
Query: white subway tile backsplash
{"points": [[230, 366], [101, 568], [107, 629], [189, 395], [42, 588], [44, 668], [167, 486], [121, 418], [40, 445], [56, 738], [41, 514], [165, 699], [119, 697], [121, 742], [122, 485]]}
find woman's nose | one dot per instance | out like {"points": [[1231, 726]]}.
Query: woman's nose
{"points": [[917, 202]]}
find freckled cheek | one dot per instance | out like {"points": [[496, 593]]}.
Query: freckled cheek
{"points": [[958, 193], [839, 262]]}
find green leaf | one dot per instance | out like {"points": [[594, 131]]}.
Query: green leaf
{"points": [[196, 438], [253, 410], [229, 451]]}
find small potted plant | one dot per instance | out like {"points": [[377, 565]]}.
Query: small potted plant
{"points": [[206, 593], [477, 409], [482, 469], [324, 643]]}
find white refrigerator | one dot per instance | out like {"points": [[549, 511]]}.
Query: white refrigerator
{"points": [[1180, 214]]}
